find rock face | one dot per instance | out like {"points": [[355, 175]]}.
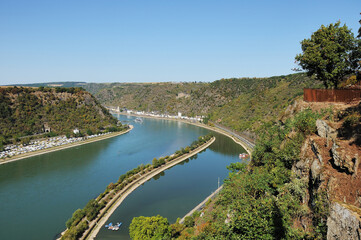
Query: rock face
{"points": [[324, 130], [317, 164], [343, 160], [343, 224]]}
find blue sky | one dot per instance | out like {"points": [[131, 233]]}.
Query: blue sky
{"points": [[158, 40]]}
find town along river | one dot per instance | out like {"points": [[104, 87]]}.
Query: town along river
{"points": [[38, 194]]}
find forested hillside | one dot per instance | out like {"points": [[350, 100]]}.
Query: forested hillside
{"points": [[29, 111], [239, 103]]}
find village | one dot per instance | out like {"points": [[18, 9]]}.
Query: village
{"points": [[156, 114], [35, 145]]}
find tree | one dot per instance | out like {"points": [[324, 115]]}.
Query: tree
{"points": [[155, 227], [155, 162], [189, 221], [359, 30], [331, 53]]}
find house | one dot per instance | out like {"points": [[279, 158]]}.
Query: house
{"points": [[76, 131], [46, 128]]}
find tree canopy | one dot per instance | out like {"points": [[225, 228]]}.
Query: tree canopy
{"points": [[359, 30], [330, 54], [155, 227]]}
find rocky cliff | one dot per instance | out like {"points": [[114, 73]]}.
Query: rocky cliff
{"points": [[330, 164]]}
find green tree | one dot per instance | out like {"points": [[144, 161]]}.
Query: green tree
{"points": [[155, 162], [155, 227], [77, 216], [189, 221], [359, 30], [330, 54]]}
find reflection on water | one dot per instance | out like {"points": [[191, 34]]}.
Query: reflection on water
{"points": [[225, 145], [156, 177]]}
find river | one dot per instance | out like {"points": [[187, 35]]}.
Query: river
{"points": [[38, 194]]}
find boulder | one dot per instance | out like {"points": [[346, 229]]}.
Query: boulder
{"points": [[343, 224], [324, 130], [316, 171]]}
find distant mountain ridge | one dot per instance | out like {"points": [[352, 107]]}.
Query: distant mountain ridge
{"points": [[51, 84], [239, 103]]}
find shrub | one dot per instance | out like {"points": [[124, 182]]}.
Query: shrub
{"points": [[189, 221], [77, 216], [305, 121]]}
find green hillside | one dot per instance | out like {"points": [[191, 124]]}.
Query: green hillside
{"points": [[30, 111], [239, 103]]}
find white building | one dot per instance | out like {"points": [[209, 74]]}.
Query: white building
{"points": [[179, 114], [76, 131]]}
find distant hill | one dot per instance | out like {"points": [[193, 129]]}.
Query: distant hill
{"points": [[29, 111], [52, 84], [239, 103]]}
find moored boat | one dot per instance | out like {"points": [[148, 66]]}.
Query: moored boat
{"points": [[243, 155], [138, 120], [112, 227]]}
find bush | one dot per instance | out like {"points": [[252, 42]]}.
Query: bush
{"points": [[189, 221], [305, 121], [92, 209], [74, 220], [155, 227]]}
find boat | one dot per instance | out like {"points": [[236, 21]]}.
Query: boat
{"points": [[139, 120], [243, 155], [112, 227]]}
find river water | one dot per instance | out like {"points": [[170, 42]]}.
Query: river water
{"points": [[38, 194]]}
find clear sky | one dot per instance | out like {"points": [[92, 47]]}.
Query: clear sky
{"points": [[158, 40]]}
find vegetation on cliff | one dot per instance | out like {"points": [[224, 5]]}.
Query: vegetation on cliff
{"points": [[50, 111]]}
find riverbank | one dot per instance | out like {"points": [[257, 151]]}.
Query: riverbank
{"points": [[244, 144], [57, 148], [96, 225]]}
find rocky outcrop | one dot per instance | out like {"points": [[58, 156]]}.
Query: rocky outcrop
{"points": [[317, 163], [316, 150], [324, 130], [343, 224], [343, 160]]}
